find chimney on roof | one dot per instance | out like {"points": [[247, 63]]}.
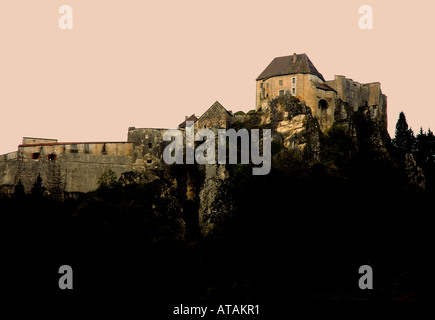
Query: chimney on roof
{"points": [[294, 57], [185, 118]]}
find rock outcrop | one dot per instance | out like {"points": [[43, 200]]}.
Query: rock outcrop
{"points": [[214, 204], [293, 124]]}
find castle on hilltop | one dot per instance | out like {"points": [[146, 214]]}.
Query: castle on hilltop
{"points": [[77, 166], [296, 75]]}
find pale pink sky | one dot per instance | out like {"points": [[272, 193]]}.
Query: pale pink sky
{"points": [[149, 63]]}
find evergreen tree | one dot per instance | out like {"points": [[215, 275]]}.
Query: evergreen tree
{"points": [[404, 138], [38, 188], [430, 137], [19, 190], [429, 168], [108, 180], [425, 156], [422, 147], [425, 147]]}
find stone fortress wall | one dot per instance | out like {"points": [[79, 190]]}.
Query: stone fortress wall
{"points": [[148, 146], [77, 166]]}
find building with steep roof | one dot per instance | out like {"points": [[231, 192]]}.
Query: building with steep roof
{"points": [[77, 166], [296, 75], [216, 117], [294, 64], [192, 118]]}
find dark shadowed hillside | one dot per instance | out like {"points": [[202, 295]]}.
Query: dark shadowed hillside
{"points": [[299, 233]]}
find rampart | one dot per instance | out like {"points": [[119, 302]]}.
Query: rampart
{"points": [[73, 167]]}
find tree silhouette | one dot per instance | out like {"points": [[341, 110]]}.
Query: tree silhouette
{"points": [[425, 155], [404, 138], [430, 147], [38, 188], [19, 190]]}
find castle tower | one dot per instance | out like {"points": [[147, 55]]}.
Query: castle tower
{"points": [[296, 75]]}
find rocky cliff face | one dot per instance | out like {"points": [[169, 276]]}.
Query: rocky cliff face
{"points": [[214, 202], [293, 127], [367, 121]]}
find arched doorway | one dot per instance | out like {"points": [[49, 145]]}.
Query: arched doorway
{"points": [[323, 105]]}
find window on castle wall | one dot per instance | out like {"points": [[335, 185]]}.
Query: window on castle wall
{"points": [[280, 82], [150, 145], [294, 80], [52, 157], [261, 85], [36, 155], [281, 92], [293, 90]]}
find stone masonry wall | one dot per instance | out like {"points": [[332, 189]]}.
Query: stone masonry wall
{"points": [[353, 93], [148, 147], [73, 167], [215, 117]]}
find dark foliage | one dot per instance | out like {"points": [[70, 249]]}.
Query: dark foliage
{"points": [[38, 188], [404, 138], [297, 234]]}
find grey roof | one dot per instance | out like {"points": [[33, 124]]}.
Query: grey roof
{"points": [[296, 63], [324, 86], [191, 118]]}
